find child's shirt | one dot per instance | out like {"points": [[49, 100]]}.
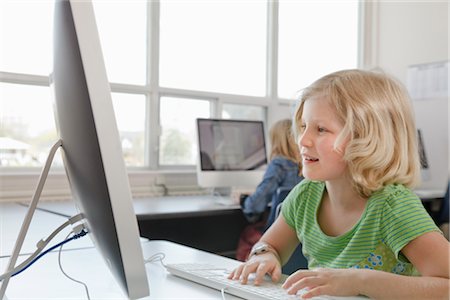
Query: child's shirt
{"points": [[393, 217]]}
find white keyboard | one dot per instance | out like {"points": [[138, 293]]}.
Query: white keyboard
{"points": [[216, 278]]}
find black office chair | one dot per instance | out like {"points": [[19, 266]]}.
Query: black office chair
{"points": [[297, 260], [444, 212], [275, 208], [443, 215]]}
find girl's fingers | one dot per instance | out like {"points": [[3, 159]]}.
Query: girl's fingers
{"points": [[276, 274], [317, 291], [236, 273], [299, 275], [247, 270]]}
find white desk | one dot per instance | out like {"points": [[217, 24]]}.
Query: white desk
{"points": [[45, 281], [43, 224]]}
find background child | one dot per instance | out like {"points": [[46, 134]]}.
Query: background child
{"points": [[283, 170], [362, 229]]}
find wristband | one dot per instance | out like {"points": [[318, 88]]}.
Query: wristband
{"points": [[262, 248]]}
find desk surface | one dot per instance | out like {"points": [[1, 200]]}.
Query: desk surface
{"points": [[160, 207], [45, 280], [42, 225]]}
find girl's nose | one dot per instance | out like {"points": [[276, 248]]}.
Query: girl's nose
{"points": [[305, 139]]}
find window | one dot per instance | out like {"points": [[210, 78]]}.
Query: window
{"points": [[122, 30], [209, 59], [25, 35], [26, 136], [27, 128], [217, 46], [177, 141], [315, 38], [243, 112], [130, 117]]}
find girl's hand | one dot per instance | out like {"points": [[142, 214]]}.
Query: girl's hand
{"points": [[333, 282], [262, 264]]}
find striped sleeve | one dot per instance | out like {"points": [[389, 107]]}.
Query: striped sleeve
{"points": [[403, 219], [291, 204]]}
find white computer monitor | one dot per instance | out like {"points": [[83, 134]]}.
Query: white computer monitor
{"points": [[231, 153], [91, 148]]}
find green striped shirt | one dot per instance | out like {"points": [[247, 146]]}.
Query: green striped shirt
{"points": [[393, 217]]}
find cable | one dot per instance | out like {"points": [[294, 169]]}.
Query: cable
{"points": [[76, 236], [222, 292], [69, 277], [42, 244], [156, 257]]}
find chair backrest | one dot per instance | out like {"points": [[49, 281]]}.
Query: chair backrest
{"points": [[279, 197], [444, 212]]}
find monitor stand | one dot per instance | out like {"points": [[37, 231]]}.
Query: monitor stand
{"points": [[28, 217], [221, 191], [230, 196]]}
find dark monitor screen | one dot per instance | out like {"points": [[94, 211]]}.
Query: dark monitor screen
{"points": [[231, 144]]}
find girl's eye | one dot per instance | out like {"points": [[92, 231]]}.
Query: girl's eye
{"points": [[322, 129]]}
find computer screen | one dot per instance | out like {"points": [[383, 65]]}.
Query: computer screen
{"points": [[232, 153], [91, 148]]}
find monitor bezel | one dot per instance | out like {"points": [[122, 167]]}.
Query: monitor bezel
{"points": [[229, 178]]}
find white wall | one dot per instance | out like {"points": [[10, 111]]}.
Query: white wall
{"points": [[410, 33]]}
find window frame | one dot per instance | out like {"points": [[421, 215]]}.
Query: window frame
{"points": [[153, 93]]}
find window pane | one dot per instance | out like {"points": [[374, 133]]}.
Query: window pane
{"points": [[122, 29], [215, 46], [178, 144], [315, 38], [243, 112], [130, 116], [26, 29], [27, 125]]}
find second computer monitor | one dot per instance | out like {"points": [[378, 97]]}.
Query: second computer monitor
{"points": [[232, 153]]}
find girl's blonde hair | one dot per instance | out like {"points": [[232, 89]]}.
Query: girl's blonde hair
{"points": [[283, 142], [379, 123]]}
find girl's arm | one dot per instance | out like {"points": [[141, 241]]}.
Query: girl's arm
{"points": [[429, 253], [282, 238], [383, 285]]}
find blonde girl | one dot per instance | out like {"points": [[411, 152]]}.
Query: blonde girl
{"points": [[363, 230]]}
